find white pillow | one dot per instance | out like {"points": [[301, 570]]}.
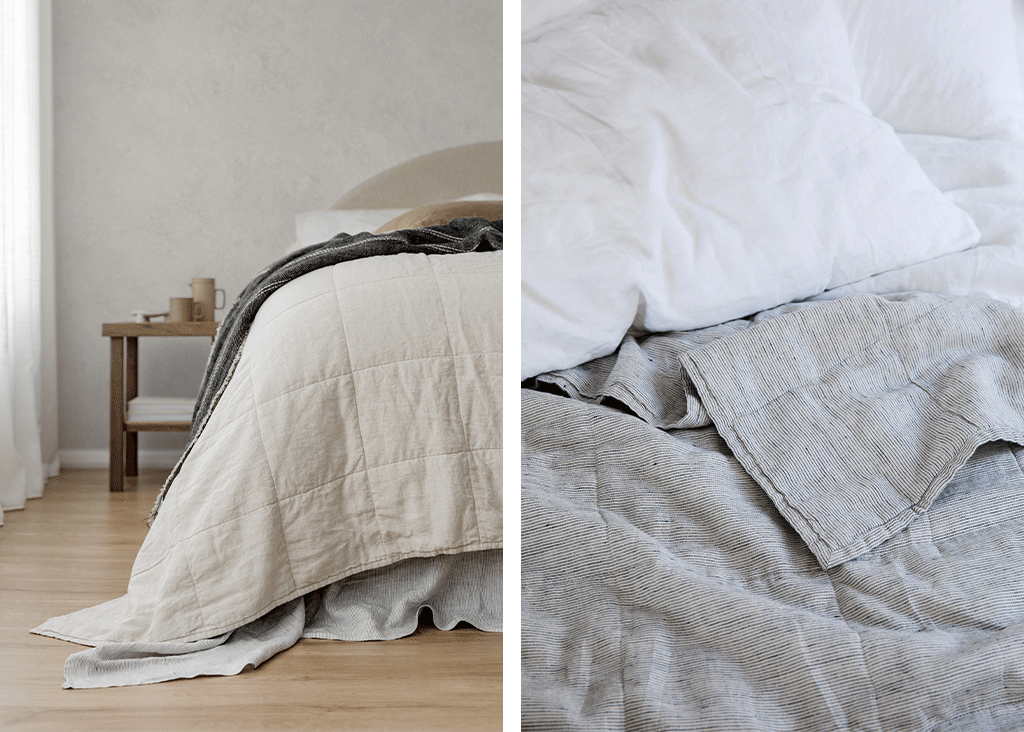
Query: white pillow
{"points": [[939, 67], [689, 163], [1018, 19], [535, 15], [314, 227]]}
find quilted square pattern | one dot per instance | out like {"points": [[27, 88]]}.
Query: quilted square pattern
{"points": [[409, 417], [381, 314], [362, 426]]}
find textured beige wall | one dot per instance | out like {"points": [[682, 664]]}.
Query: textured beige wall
{"points": [[189, 132]]}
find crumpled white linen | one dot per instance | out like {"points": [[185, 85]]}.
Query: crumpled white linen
{"points": [[687, 164]]}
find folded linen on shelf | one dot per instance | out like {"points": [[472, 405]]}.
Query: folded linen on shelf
{"points": [[161, 409]]}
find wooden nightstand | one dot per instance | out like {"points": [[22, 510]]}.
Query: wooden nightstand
{"points": [[124, 386]]}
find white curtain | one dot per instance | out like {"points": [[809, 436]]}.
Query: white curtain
{"points": [[22, 473]]}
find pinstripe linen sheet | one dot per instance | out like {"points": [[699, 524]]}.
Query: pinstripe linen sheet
{"points": [[809, 520]]}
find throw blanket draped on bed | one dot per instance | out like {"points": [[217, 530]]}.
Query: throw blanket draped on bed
{"points": [[809, 520]]}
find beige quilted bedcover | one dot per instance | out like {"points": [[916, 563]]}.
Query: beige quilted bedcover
{"points": [[362, 426]]}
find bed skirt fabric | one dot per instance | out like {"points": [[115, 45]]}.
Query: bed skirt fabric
{"points": [[812, 519], [381, 604]]}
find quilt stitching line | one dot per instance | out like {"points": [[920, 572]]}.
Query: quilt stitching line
{"points": [[216, 436], [913, 382], [359, 421], [324, 295], [363, 369], [425, 358], [195, 592], [202, 427], [458, 401], [432, 455], [889, 333], [390, 558], [591, 418], [860, 643], [277, 503], [319, 486]]}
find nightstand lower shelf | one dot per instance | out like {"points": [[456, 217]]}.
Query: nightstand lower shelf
{"points": [[124, 386], [130, 426]]}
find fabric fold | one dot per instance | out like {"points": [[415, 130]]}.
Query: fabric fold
{"points": [[668, 576], [854, 414]]}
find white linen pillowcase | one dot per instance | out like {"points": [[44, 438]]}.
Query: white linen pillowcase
{"points": [[535, 15], [1018, 19], [939, 67], [986, 179], [687, 164], [314, 227]]}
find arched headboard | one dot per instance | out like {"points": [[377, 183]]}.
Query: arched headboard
{"points": [[444, 175]]}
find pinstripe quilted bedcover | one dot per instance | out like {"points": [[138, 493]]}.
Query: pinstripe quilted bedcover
{"points": [[811, 520]]}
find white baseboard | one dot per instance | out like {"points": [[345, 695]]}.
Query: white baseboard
{"points": [[148, 459]]}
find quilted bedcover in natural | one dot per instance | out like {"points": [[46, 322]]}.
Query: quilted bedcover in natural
{"points": [[361, 427]]}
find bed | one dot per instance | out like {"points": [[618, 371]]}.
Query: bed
{"points": [[772, 401], [343, 471]]}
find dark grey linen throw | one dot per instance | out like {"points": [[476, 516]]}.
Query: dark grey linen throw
{"points": [[457, 236], [810, 520]]}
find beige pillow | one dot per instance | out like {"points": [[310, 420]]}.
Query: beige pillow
{"points": [[435, 214]]}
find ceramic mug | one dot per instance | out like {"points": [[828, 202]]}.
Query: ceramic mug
{"points": [[204, 298], [181, 310]]}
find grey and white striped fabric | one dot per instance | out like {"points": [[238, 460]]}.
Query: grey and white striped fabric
{"points": [[811, 520], [380, 604]]}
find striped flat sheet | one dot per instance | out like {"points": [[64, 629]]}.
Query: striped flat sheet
{"points": [[810, 520]]}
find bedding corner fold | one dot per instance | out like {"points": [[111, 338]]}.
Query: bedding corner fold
{"points": [[854, 414]]}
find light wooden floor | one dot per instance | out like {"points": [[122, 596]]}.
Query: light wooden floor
{"points": [[74, 548]]}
